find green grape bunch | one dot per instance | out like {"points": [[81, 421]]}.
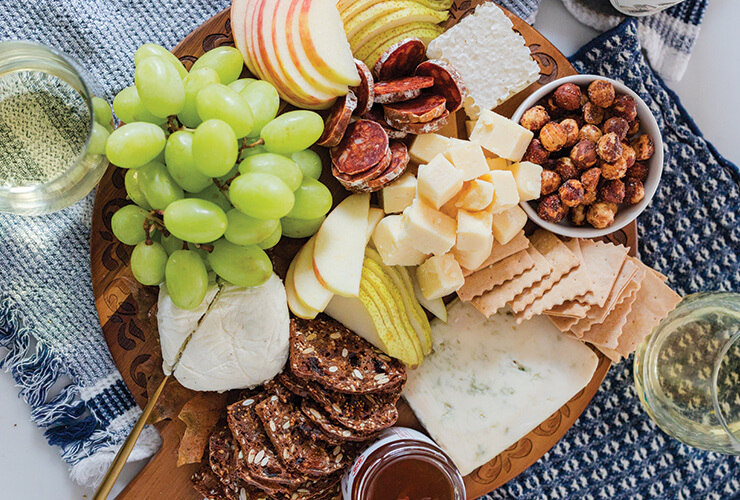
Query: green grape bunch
{"points": [[215, 175]]}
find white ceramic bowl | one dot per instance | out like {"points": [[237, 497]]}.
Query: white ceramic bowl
{"points": [[626, 213]]}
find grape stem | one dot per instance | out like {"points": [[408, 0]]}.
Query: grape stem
{"points": [[256, 143], [207, 248], [224, 187]]}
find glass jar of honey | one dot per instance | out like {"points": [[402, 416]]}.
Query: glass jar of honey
{"points": [[403, 464]]}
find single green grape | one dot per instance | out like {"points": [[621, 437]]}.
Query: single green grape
{"points": [[171, 243], [135, 144], [187, 279], [312, 200], [202, 252], [213, 194], [220, 102], [273, 239], [160, 86], [308, 161], [158, 186], [278, 165], [152, 49], [129, 109], [301, 228], [101, 111], [227, 61], [241, 84], [195, 220], [215, 148], [127, 224], [194, 82], [292, 131], [245, 266], [131, 183], [178, 154], [98, 138], [245, 230], [264, 102], [148, 263], [262, 196]]}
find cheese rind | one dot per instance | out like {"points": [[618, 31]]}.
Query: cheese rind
{"points": [[469, 159], [428, 230], [399, 194], [528, 177], [394, 245], [507, 224], [439, 275], [427, 146], [505, 191], [501, 136], [438, 181]]}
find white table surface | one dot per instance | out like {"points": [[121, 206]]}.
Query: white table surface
{"points": [[30, 469]]}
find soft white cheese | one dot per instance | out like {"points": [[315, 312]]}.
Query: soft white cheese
{"points": [[490, 381]]}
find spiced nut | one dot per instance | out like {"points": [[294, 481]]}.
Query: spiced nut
{"points": [[590, 178], [612, 191], [609, 147], [584, 154], [566, 168], [568, 96], [643, 146], [601, 93], [550, 182], [588, 198], [615, 170], [634, 127], [571, 193], [535, 118], [638, 171], [628, 155], [601, 214], [634, 191], [571, 129], [593, 114], [577, 215], [618, 125], [590, 132], [552, 209], [553, 137], [624, 106]]}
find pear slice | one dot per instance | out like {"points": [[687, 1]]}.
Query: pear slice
{"points": [[386, 38], [425, 34], [294, 303], [366, 26], [351, 312], [374, 216], [434, 306]]}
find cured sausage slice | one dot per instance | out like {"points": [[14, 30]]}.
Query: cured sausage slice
{"points": [[365, 91], [423, 109], [362, 147], [401, 89], [421, 128], [447, 82], [377, 115], [338, 120], [400, 59], [399, 162], [357, 182]]}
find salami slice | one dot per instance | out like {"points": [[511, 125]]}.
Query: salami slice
{"points": [[338, 120], [363, 146], [365, 91], [377, 115], [400, 59], [399, 162], [355, 182], [447, 82], [422, 128], [423, 109], [401, 89]]}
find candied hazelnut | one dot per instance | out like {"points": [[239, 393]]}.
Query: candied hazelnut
{"points": [[617, 125], [571, 193], [615, 170], [628, 154], [593, 114], [549, 164], [535, 118], [584, 99], [553, 136], [634, 127], [609, 147], [601, 214], [634, 191], [643, 146], [566, 169], [590, 178], [624, 106], [577, 215], [552, 209], [588, 198], [612, 191], [590, 132], [601, 93], [568, 96], [583, 154], [571, 129], [550, 182], [553, 109], [638, 171], [536, 153]]}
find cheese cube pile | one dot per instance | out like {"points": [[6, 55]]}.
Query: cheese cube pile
{"points": [[465, 196]]}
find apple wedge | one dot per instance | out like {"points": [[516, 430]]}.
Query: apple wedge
{"points": [[340, 246], [374, 216], [307, 287], [294, 303], [238, 29]]}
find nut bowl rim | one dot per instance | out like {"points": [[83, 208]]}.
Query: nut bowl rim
{"points": [[626, 214]]}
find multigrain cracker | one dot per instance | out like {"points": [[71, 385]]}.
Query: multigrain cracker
{"points": [[495, 274], [499, 252]]}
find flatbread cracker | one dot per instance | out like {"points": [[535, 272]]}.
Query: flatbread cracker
{"points": [[493, 275], [613, 355], [495, 299], [574, 309], [499, 252], [604, 261], [607, 334], [562, 260], [563, 324]]}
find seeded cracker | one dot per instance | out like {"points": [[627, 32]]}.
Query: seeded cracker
{"points": [[494, 275], [500, 252], [207, 483], [340, 433]]}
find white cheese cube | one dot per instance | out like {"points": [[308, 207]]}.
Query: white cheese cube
{"points": [[505, 192], [469, 159], [394, 245], [501, 136], [473, 230], [429, 230], [427, 146], [439, 276], [528, 177], [399, 194], [497, 163], [438, 181], [507, 224], [472, 259], [469, 126], [475, 195]]}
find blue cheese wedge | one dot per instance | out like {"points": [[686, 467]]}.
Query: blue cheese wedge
{"points": [[489, 382], [492, 59]]}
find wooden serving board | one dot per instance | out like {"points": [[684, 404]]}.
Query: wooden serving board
{"points": [[125, 307]]}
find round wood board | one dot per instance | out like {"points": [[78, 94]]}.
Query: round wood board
{"points": [[125, 307]]}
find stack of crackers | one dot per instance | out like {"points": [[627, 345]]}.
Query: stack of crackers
{"points": [[590, 289]]}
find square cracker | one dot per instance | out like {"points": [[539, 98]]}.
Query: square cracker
{"points": [[607, 334], [560, 257], [496, 298], [570, 309], [495, 274], [562, 323], [604, 261], [499, 252]]}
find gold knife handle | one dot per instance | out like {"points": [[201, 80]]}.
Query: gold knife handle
{"points": [[117, 465]]}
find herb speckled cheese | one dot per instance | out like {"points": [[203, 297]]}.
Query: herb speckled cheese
{"points": [[490, 56], [490, 381]]}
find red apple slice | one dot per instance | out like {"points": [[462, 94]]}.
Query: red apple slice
{"points": [[307, 286], [238, 17]]}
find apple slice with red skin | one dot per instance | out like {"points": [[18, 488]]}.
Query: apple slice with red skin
{"points": [[238, 29]]}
